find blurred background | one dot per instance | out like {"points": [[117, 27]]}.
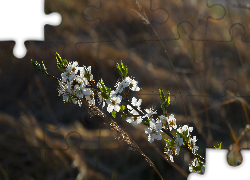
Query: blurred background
{"points": [[43, 138]]}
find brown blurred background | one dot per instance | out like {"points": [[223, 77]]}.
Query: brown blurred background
{"points": [[44, 138]]}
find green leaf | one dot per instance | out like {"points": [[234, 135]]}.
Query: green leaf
{"points": [[168, 98], [36, 64], [162, 96], [109, 90], [61, 64], [114, 114], [58, 58], [122, 108], [219, 146], [170, 142], [146, 123], [126, 72], [123, 70], [119, 69]]}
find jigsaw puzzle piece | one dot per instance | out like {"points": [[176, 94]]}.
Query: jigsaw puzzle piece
{"points": [[217, 166], [18, 27]]}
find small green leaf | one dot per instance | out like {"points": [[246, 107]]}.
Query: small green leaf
{"points": [[123, 70], [58, 58], [122, 108], [114, 114], [146, 123], [168, 98], [44, 68], [170, 142], [36, 64], [61, 64], [219, 146], [126, 72], [119, 69], [162, 96]]}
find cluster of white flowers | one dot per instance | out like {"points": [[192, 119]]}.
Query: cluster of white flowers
{"points": [[73, 87], [127, 82], [182, 137], [154, 131], [72, 84]]}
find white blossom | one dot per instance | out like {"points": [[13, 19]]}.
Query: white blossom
{"points": [[135, 103], [154, 130], [132, 84], [178, 142], [134, 120], [121, 85], [168, 153], [113, 103], [192, 142], [184, 128], [163, 119], [171, 122], [150, 113]]}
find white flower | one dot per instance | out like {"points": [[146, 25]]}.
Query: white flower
{"points": [[134, 120], [101, 99], [72, 66], [195, 162], [171, 122], [113, 103], [154, 130], [113, 94], [121, 85], [193, 145], [191, 168], [150, 113], [65, 97], [132, 84], [163, 119], [184, 128], [67, 75], [169, 154], [136, 104], [178, 143], [89, 95], [78, 91]]}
